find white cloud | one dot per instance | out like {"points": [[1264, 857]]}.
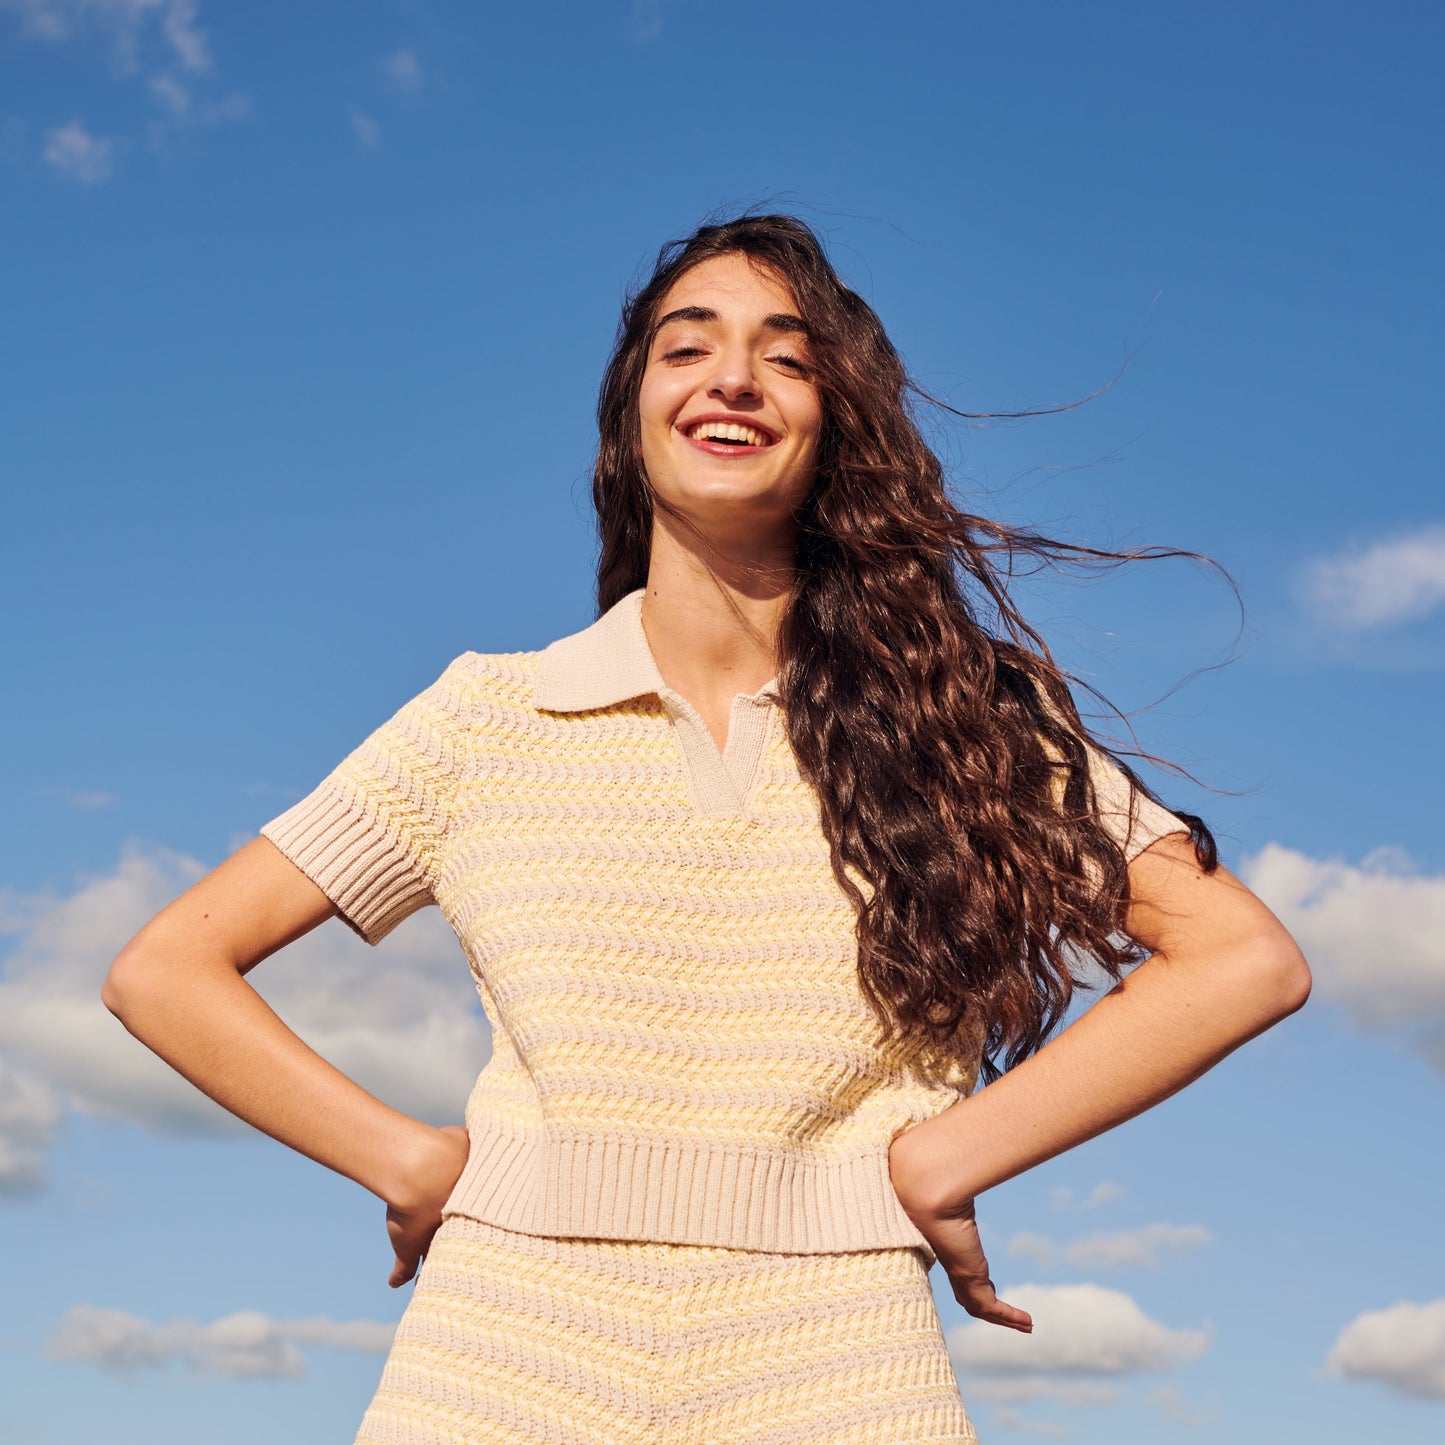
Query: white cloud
{"points": [[128, 24], [1037, 1247], [85, 800], [244, 1345], [157, 42], [1402, 1347], [1026, 1389], [170, 93], [1012, 1420], [1133, 1248], [1168, 1400], [1122, 1249], [401, 1019], [365, 129], [1079, 1329], [1397, 579], [29, 1116], [1374, 935], [403, 70], [73, 151], [179, 25], [1104, 1192], [235, 105]]}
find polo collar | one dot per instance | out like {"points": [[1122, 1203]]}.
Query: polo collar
{"points": [[605, 664], [600, 666]]}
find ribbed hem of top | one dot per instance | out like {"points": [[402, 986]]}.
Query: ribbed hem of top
{"points": [[365, 871], [582, 1183]]}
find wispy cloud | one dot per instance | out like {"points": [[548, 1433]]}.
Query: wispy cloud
{"points": [[87, 800], [29, 1116], [157, 42], [1403, 1347], [129, 26], [1374, 934], [1012, 1420], [1394, 580], [363, 127], [402, 70], [409, 1031], [1104, 1192], [73, 151], [170, 93], [1023, 1388], [1170, 1401], [90, 802], [244, 1345], [1080, 1330], [1122, 1249], [645, 22]]}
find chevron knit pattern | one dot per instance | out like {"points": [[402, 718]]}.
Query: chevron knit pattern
{"points": [[515, 1339], [681, 1052]]}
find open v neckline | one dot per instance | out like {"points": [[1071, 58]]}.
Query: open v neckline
{"points": [[720, 779]]}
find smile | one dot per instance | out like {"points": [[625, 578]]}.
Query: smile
{"points": [[723, 438]]}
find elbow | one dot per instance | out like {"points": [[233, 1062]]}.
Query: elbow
{"points": [[1282, 977], [123, 983], [112, 991]]}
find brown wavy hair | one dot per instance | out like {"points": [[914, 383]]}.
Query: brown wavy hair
{"points": [[940, 736]]}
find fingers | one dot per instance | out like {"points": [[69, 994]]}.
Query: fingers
{"points": [[1009, 1316], [979, 1299], [403, 1270]]}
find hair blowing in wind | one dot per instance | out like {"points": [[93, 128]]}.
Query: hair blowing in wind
{"points": [[949, 759]]}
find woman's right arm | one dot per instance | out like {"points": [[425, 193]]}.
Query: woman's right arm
{"points": [[179, 986]]}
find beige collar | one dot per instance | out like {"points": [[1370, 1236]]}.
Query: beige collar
{"points": [[605, 664], [600, 666]]}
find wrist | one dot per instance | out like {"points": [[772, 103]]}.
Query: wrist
{"points": [[412, 1161], [926, 1171]]}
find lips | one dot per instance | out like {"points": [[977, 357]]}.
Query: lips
{"points": [[721, 434]]}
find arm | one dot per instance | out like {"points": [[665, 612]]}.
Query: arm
{"points": [[1222, 969], [179, 986]]}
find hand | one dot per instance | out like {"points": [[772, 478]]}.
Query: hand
{"points": [[413, 1218], [952, 1231]]}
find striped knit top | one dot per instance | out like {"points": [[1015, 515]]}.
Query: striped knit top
{"points": [[680, 1047]]}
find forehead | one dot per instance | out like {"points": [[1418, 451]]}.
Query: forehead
{"points": [[731, 283]]}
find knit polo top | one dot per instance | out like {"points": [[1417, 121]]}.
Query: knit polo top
{"points": [[680, 1047]]}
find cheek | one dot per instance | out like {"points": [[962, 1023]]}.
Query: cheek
{"points": [[654, 414], [657, 400], [811, 422]]}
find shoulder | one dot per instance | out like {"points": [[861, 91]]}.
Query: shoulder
{"points": [[476, 684]]}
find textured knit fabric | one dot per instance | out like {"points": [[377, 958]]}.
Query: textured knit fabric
{"points": [[681, 1050], [517, 1339]]}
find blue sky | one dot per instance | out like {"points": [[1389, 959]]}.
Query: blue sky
{"points": [[305, 309]]}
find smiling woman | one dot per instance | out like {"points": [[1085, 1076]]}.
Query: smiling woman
{"points": [[758, 875]]}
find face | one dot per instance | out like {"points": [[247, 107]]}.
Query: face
{"points": [[730, 413]]}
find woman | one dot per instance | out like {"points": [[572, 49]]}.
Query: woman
{"points": [[755, 876]]}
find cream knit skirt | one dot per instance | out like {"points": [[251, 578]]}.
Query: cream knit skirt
{"points": [[519, 1339]]}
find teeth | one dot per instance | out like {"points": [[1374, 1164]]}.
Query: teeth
{"points": [[727, 431]]}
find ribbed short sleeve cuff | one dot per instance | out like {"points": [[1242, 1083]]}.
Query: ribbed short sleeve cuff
{"points": [[347, 851], [1134, 830]]}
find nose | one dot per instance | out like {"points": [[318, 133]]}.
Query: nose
{"points": [[734, 376]]}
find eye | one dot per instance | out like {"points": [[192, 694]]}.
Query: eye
{"points": [[681, 353], [792, 362]]}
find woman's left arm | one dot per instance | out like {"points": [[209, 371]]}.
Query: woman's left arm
{"points": [[1221, 969]]}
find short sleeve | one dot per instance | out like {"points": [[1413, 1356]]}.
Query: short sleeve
{"points": [[370, 835], [1132, 830]]}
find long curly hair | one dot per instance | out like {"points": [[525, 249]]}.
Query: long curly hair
{"points": [[942, 740]]}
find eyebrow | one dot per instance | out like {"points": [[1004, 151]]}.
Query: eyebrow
{"points": [[778, 321]]}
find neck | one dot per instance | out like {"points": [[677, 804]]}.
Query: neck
{"points": [[711, 616]]}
